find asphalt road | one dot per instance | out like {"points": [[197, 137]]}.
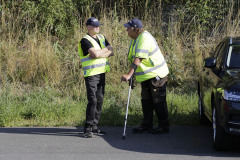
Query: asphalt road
{"points": [[182, 143]]}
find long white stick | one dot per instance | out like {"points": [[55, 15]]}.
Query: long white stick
{"points": [[124, 131]]}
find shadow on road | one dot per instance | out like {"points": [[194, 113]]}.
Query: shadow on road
{"points": [[55, 131], [182, 140]]}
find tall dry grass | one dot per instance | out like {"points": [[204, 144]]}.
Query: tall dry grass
{"points": [[31, 61], [38, 58]]}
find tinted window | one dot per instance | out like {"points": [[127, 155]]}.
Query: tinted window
{"points": [[233, 58], [217, 49], [220, 56]]}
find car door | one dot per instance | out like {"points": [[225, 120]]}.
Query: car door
{"points": [[210, 80]]}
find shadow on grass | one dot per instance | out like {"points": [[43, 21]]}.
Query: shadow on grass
{"points": [[115, 116]]}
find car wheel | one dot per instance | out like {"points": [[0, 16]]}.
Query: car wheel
{"points": [[202, 117], [221, 141]]}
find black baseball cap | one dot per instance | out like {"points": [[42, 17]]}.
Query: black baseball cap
{"points": [[93, 22], [136, 23]]}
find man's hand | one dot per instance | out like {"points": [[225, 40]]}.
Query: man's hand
{"points": [[111, 49], [125, 77]]}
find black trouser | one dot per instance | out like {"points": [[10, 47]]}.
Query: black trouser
{"points": [[154, 98], [95, 91]]}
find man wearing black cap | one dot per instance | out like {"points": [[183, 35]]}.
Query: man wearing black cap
{"points": [[94, 51], [150, 68]]}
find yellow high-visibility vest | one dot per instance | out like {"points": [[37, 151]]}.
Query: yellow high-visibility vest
{"points": [[93, 66], [153, 63]]}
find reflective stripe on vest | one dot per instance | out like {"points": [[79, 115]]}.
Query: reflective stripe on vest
{"points": [[146, 51], [151, 69], [86, 59], [95, 66]]}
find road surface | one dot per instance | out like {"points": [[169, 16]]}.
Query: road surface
{"points": [[68, 143]]}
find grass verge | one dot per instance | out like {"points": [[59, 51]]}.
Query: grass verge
{"points": [[53, 107]]}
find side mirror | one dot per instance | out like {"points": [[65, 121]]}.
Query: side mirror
{"points": [[210, 62]]}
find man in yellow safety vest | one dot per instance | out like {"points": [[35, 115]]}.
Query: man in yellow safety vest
{"points": [[150, 68], [94, 50]]}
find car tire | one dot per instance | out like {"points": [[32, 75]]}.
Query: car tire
{"points": [[221, 140], [202, 117]]}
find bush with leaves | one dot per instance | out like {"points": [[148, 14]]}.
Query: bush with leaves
{"points": [[54, 16], [200, 15]]}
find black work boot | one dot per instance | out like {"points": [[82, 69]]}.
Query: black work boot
{"points": [[88, 132], [162, 130], [143, 129], [97, 131]]}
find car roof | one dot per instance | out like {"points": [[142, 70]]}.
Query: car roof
{"points": [[232, 40]]}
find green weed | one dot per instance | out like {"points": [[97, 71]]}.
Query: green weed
{"points": [[48, 107]]}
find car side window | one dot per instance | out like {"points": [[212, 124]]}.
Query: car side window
{"points": [[216, 52], [219, 57]]}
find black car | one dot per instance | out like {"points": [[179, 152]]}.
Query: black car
{"points": [[219, 92]]}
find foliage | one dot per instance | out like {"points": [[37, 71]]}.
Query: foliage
{"points": [[62, 17], [202, 14], [54, 16]]}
